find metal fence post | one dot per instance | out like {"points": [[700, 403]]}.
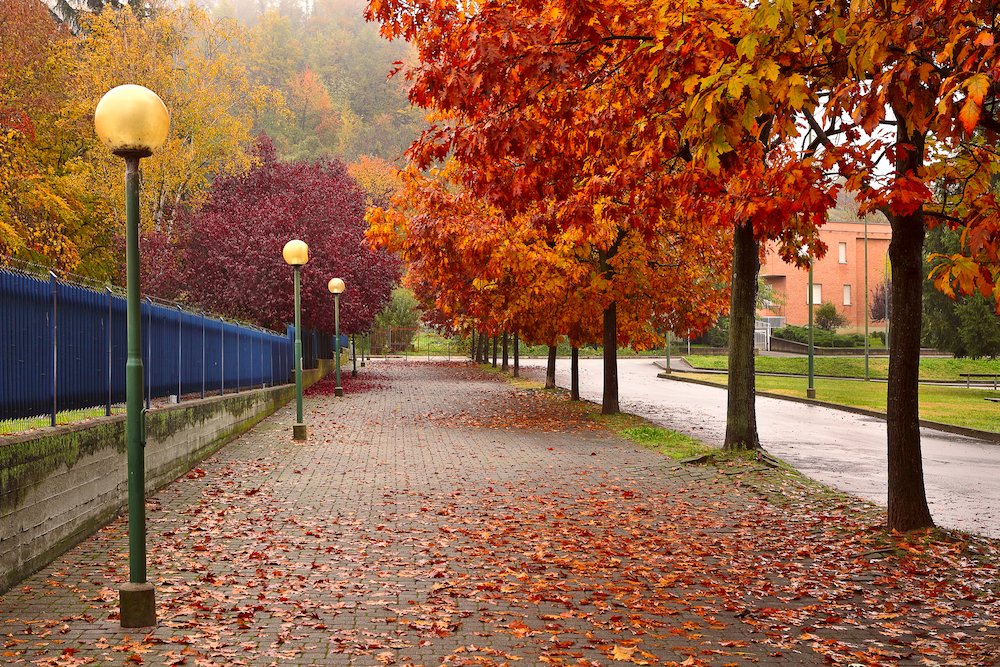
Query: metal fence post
{"points": [[179, 356], [108, 411], [203, 354], [55, 342], [149, 352]]}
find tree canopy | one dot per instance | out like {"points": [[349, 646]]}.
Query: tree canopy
{"points": [[227, 257], [630, 111]]}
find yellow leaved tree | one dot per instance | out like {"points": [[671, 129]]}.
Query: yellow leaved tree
{"points": [[43, 208], [197, 65]]}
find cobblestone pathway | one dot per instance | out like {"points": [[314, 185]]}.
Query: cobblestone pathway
{"points": [[438, 515]]}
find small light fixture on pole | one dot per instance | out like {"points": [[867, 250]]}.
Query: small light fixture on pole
{"points": [[336, 286], [354, 356], [132, 122], [811, 390], [804, 254], [867, 377], [296, 253]]}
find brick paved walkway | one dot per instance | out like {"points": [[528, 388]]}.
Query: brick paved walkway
{"points": [[437, 515]]}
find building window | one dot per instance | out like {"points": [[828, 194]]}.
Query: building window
{"points": [[843, 253], [817, 294], [847, 295]]}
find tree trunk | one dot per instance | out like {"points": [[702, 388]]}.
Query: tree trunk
{"points": [[609, 404], [495, 341], [550, 369], [907, 501], [505, 366], [517, 356], [741, 412], [574, 384], [472, 345], [483, 340]]}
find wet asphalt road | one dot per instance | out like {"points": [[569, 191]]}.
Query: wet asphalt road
{"points": [[844, 450]]}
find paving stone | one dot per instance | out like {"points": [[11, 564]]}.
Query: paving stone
{"points": [[370, 544]]}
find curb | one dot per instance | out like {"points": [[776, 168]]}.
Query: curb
{"points": [[990, 436]]}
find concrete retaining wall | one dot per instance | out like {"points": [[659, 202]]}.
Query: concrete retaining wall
{"points": [[59, 485]]}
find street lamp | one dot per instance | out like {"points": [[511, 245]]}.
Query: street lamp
{"points": [[354, 356], [132, 122], [866, 298], [811, 390], [296, 253], [336, 286], [804, 253]]}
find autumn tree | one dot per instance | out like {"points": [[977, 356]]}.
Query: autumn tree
{"points": [[545, 283], [923, 74], [194, 63], [624, 103], [377, 177], [46, 211], [228, 255]]}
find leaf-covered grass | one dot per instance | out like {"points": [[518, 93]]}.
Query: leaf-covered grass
{"points": [[932, 368], [669, 443], [949, 405]]}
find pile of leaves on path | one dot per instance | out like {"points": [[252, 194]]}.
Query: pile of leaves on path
{"points": [[563, 569]]}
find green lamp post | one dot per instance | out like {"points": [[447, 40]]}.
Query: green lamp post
{"points": [[354, 356], [296, 253], [336, 286], [811, 389], [132, 122]]}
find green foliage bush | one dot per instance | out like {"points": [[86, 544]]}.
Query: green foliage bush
{"points": [[821, 337], [830, 319]]}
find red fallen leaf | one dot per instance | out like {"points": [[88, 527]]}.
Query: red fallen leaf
{"points": [[70, 651]]}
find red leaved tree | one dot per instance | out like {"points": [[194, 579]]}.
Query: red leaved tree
{"points": [[227, 256]]}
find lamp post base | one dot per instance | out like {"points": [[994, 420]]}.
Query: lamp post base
{"points": [[354, 374], [300, 432], [338, 391], [810, 393], [137, 605]]}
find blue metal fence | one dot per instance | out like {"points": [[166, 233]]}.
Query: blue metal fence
{"points": [[63, 347]]}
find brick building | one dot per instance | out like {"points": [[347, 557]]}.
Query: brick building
{"points": [[839, 277]]}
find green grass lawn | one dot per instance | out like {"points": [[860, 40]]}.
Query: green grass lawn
{"points": [[949, 405], [878, 367], [669, 443]]}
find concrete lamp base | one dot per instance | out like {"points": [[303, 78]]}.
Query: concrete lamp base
{"points": [[137, 605], [354, 374], [810, 393], [300, 432], [338, 391]]}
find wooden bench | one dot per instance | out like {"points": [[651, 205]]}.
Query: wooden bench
{"points": [[968, 378]]}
